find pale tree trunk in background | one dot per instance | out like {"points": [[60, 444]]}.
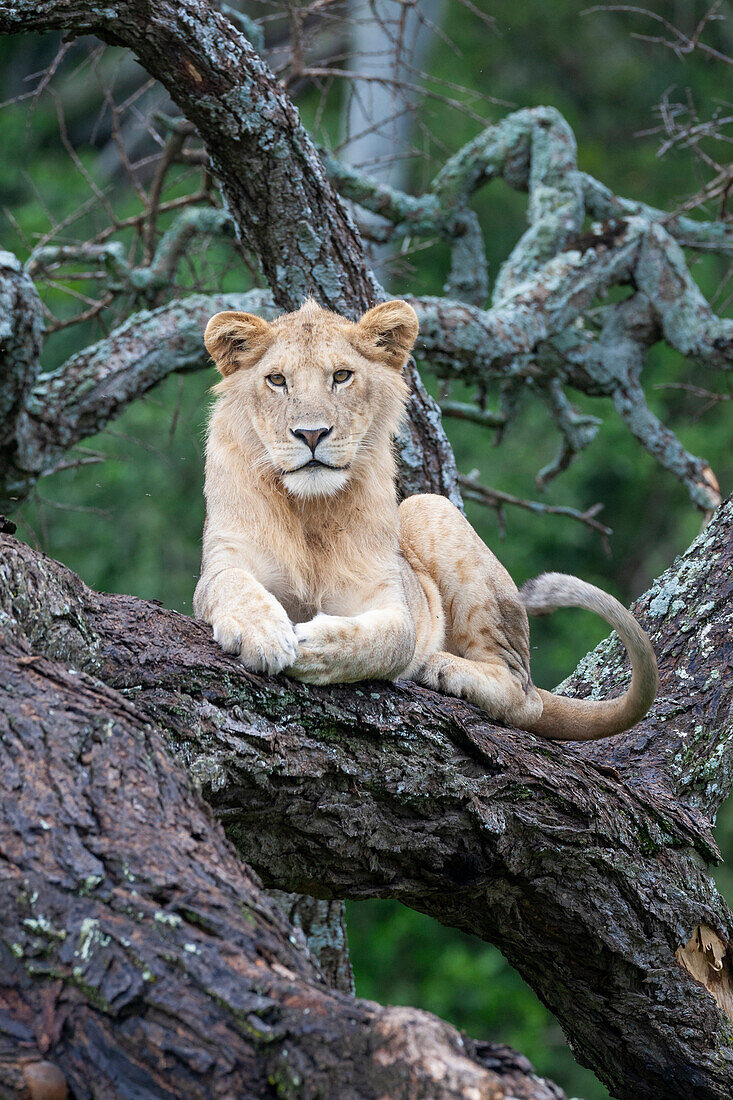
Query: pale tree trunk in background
{"points": [[390, 43], [394, 47]]}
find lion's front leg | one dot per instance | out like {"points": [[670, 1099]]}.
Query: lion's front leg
{"points": [[249, 622], [376, 644], [245, 617]]}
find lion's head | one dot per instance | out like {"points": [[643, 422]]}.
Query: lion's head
{"points": [[312, 394]]}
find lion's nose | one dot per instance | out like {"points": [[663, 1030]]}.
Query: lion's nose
{"points": [[311, 436]]}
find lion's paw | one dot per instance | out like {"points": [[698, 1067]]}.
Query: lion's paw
{"points": [[321, 656], [268, 645]]}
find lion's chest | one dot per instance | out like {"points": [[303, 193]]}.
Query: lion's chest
{"points": [[319, 579], [337, 565], [304, 595]]}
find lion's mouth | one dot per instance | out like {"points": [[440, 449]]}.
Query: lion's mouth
{"points": [[315, 464]]}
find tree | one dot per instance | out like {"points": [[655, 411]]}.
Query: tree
{"points": [[586, 865]]}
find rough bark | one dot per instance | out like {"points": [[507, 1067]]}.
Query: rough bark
{"points": [[586, 865], [140, 958], [20, 341], [21, 329]]}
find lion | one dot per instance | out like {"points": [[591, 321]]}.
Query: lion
{"points": [[311, 567]]}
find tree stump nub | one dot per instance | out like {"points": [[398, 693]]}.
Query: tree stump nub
{"points": [[45, 1081]]}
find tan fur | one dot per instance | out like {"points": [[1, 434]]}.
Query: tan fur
{"points": [[309, 565]]}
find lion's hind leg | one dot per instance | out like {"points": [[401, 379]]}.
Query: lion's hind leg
{"points": [[485, 656], [488, 684]]}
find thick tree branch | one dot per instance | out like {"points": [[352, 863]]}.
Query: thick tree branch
{"points": [[21, 328], [602, 204], [585, 864]]}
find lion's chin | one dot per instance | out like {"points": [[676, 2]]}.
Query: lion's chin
{"points": [[315, 482]]}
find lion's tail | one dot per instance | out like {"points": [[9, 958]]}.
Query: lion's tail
{"points": [[586, 719]]}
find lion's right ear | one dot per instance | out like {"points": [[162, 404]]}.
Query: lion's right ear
{"points": [[235, 340]]}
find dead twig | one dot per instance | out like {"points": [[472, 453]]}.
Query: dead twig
{"points": [[472, 489]]}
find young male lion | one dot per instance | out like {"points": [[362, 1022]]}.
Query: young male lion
{"points": [[310, 566]]}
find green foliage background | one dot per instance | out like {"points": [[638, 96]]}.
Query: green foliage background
{"points": [[133, 523]]}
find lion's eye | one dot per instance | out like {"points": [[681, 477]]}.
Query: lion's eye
{"points": [[276, 380], [342, 375]]}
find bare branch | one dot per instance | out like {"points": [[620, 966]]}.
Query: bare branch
{"points": [[472, 489], [487, 418]]}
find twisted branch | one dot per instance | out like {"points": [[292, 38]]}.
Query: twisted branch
{"points": [[541, 330]]}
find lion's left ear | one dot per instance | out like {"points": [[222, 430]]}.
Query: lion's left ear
{"points": [[387, 333]]}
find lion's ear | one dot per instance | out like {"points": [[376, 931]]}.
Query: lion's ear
{"points": [[235, 340], [388, 332]]}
